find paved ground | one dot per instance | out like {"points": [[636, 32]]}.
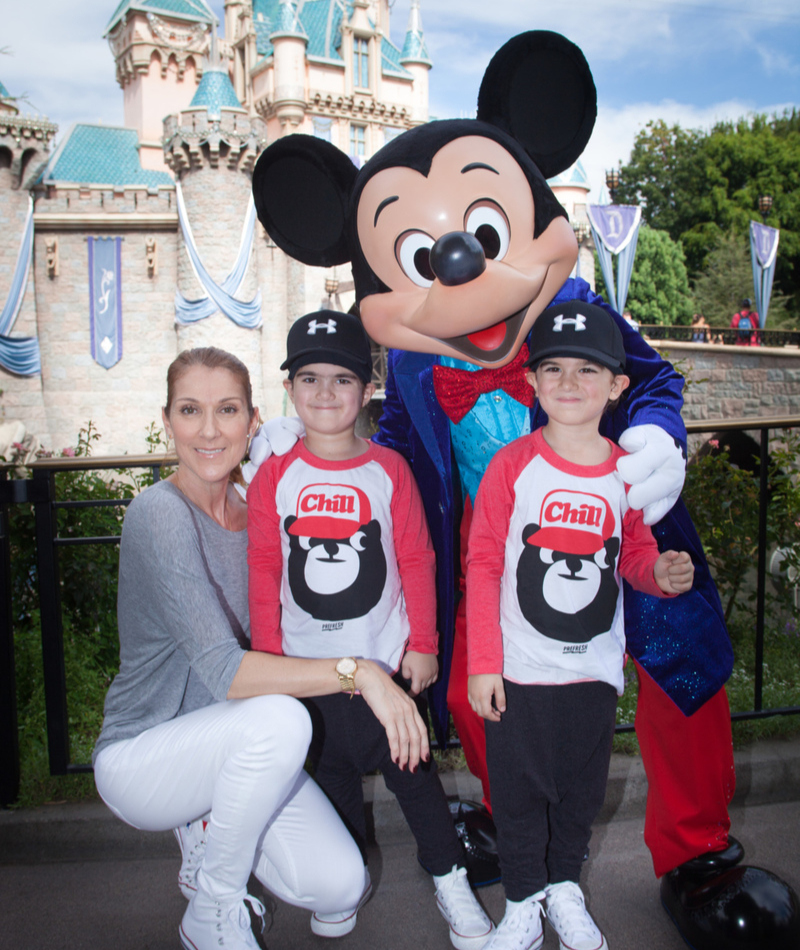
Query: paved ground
{"points": [[73, 877]]}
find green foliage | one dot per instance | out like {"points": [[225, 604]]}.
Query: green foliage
{"points": [[659, 288], [727, 279], [724, 503], [88, 589], [699, 185]]}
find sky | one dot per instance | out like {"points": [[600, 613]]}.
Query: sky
{"points": [[688, 63]]}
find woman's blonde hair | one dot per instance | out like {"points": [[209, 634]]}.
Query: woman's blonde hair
{"points": [[211, 357]]}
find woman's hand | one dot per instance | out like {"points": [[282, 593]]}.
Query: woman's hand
{"points": [[397, 713]]}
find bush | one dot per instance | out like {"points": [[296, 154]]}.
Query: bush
{"points": [[88, 589]]}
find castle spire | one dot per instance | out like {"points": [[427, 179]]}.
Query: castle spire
{"points": [[414, 48]]}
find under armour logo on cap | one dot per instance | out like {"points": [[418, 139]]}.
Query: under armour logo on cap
{"points": [[579, 329], [578, 322], [329, 326]]}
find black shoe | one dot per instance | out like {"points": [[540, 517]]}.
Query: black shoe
{"points": [[478, 837], [739, 908]]}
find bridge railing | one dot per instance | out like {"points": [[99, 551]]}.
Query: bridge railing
{"points": [[39, 491], [687, 334]]}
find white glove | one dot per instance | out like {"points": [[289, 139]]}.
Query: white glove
{"points": [[274, 437], [655, 469]]}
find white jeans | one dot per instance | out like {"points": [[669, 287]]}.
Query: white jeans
{"points": [[241, 763]]}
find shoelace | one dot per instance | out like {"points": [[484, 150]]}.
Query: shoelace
{"points": [[521, 922], [456, 897], [570, 914], [239, 919]]}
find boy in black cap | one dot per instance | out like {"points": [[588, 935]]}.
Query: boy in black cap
{"points": [[341, 561], [552, 534]]}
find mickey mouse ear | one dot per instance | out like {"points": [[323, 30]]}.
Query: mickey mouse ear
{"points": [[301, 190], [539, 89]]}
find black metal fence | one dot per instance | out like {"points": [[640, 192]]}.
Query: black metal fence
{"points": [[40, 492]]}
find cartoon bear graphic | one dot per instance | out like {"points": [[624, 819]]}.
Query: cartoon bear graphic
{"points": [[337, 567], [566, 584]]}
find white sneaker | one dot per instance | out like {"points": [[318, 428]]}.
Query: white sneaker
{"points": [[192, 840], [470, 928], [208, 924], [521, 927], [567, 915], [342, 922]]}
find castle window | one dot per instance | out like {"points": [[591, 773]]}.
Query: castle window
{"points": [[360, 63], [358, 143]]}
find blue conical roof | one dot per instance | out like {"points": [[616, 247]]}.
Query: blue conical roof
{"points": [[574, 176], [215, 91], [196, 11], [287, 21], [4, 93], [414, 48]]}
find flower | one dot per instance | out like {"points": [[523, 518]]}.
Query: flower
{"points": [[714, 443], [68, 452]]}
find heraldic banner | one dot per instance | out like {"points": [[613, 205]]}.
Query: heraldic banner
{"points": [[105, 300]]}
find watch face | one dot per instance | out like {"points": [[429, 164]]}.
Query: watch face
{"points": [[346, 666]]}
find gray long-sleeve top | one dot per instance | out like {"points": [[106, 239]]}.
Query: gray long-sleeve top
{"points": [[178, 649]]}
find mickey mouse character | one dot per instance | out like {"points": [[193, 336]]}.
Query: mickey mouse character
{"points": [[457, 245]]}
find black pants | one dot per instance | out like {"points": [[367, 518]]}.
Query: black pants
{"points": [[350, 742], [548, 764]]}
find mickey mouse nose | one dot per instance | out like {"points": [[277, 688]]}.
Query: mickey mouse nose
{"points": [[457, 258]]}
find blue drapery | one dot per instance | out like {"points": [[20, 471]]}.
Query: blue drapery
{"points": [[19, 355], [615, 229], [244, 314], [763, 250]]}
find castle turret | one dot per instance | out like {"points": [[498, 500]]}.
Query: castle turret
{"points": [[158, 49], [416, 60], [24, 150], [211, 147], [289, 51]]}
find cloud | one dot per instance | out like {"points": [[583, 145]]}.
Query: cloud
{"points": [[616, 130]]}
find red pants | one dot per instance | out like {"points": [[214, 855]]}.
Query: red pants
{"points": [[688, 759]]}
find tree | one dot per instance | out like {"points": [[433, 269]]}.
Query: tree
{"points": [[659, 288], [726, 279], [698, 186]]}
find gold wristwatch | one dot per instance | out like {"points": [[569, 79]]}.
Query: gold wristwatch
{"points": [[346, 670]]}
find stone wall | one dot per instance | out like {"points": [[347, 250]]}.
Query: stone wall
{"points": [[733, 382]]}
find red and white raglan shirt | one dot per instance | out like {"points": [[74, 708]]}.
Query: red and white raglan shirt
{"points": [[548, 544], [341, 561]]}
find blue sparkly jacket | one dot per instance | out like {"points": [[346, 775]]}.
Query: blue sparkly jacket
{"points": [[682, 642]]}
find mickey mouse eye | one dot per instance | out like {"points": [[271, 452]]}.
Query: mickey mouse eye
{"points": [[305, 543], [413, 252], [600, 558], [546, 555], [490, 226], [357, 541]]}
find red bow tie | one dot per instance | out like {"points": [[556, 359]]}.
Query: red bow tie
{"points": [[457, 389]]}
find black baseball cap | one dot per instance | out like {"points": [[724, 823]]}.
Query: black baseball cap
{"points": [[328, 336], [579, 329]]}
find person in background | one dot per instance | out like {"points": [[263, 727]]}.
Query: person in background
{"points": [[745, 322]]}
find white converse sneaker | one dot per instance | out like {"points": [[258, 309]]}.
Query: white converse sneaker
{"points": [[470, 928], [340, 923], [567, 915], [208, 924], [521, 927], [192, 840]]}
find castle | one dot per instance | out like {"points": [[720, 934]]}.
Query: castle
{"points": [[123, 246]]}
